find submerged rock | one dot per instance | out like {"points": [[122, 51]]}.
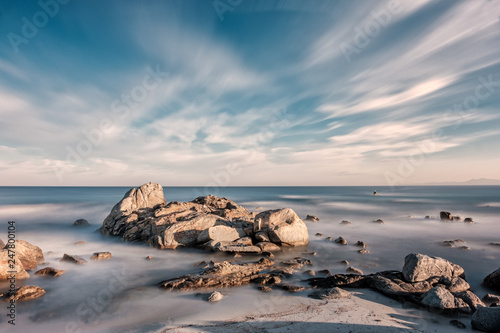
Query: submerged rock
{"points": [[333, 293], [458, 324], [81, 223], [469, 220], [73, 259], [101, 256], [345, 222], [50, 271], [493, 280], [445, 216], [420, 267], [26, 293], [487, 319], [312, 218], [341, 241]]}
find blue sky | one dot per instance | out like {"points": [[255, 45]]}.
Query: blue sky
{"points": [[229, 92]]}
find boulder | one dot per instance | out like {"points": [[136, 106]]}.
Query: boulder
{"points": [[486, 319], [220, 233], [101, 256], [341, 241], [73, 259], [333, 293], [345, 222], [360, 243], [29, 254], [26, 293], [312, 218], [469, 220], [420, 267], [283, 226], [5, 266], [446, 216], [50, 271], [493, 280], [441, 299], [215, 297], [470, 298], [354, 270], [81, 223], [379, 221]]}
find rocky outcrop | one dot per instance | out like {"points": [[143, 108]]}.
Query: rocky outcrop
{"points": [[487, 319], [420, 267], [493, 280], [5, 267], [210, 222], [29, 254], [24, 256]]}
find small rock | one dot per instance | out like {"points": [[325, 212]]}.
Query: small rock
{"points": [[345, 222], [345, 262], [26, 293], [268, 247], [265, 289], [215, 297], [445, 216], [267, 254], [149, 258], [81, 223], [469, 220], [495, 243], [364, 251], [457, 218], [341, 241], [292, 289], [73, 259], [310, 272], [324, 272], [101, 256], [50, 271], [80, 243], [354, 270], [319, 234], [454, 243], [312, 218], [329, 239], [375, 193], [490, 298], [334, 293], [428, 217], [379, 221], [237, 255], [458, 324], [467, 248], [360, 243]]}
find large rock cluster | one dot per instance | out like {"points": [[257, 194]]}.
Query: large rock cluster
{"points": [[209, 222]]}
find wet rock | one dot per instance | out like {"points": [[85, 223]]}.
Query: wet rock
{"points": [[310, 272], [441, 299], [333, 293], [469, 220], [457, 218], [50, 271], [375, 193], [101, 256], [454, 243], [267, 254], [319, 234], [486, 319], [330, 239], [312, 218], [445, 216], [215, 297], [360, 243], [149, 258], [354, 270], [341, 241], [73, 259], [324, 272], [26, 293], [297, 263], [265, 289], [495, 243], [420, 267], [345, 262], [379, 221], [29, 254], [81, 223], [363, 251], [291, 288], [493, 280], [345, 222], [234, 247], [283, 226], [457, 324], [268, 247], [341, 280], [222, 274], [470, 299]]}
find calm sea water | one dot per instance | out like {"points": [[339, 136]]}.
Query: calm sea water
{"points": [[82, 301]]}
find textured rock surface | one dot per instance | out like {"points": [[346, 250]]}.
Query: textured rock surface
{"points": [[29, 254], [487, 319], [101, 256], [420, 267], [333, 293], [50, 271], [81, 223], [493, 280], [26, 293], [283, 226], [215, 297], [5, 268], [73, 259], [439, 298]]}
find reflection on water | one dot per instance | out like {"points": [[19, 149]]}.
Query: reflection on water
{"points": [[121, 294]]}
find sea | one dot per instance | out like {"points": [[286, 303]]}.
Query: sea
{"points": [[121, 295]]}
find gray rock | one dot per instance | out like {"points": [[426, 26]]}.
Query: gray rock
{"points": [[490, 298], [333, 293], [341, 241], [215, 297], [487, 319], [345, 222], [73, 259], [420, 267], [81, 223], [220, 233], [445, 216], [470, 298], [441, 299], [284, 227], [469, 220], [493, 280], [268, 247]]}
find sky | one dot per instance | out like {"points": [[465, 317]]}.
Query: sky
{"points": [[242, 92]]}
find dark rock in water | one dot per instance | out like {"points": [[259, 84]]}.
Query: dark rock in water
{"points": [[428, 217], [297, 262], [215, 297], [312, 218], [267, 254], [458, 324], [265, 289], [486, 319], [457, 218], [454, 243], [319, 234], [222, 274], [73, 259], [50, 271], [445, 216], [291, 288], [341, 280], [310, 272], [420, 267], [360, 243], [81, 223], [324, 272], [149, 258], [490, 299], [379, 221], [26, 293], [495, 243], [101, 256], [333, 293], [201, 263], [493, 280], [469, 220], [341, 241], [345, 222], [345, 262], [329, 239], [354, 270], [375, 193]]}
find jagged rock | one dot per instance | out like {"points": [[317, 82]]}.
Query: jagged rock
{"points": [[345, 222], [73, 259], [312, 218], [341, 241], [26, 293], [50, 271], [29, 254], [360, 243], [454, 243], [493, 280], [292, 289], [101, 256], [333, 293], [297, 262], [81, 223], [441, 299], [487, 319], [283, 226], [215, 297], [268, 247], [445, 216], [222, 274], [354, 270], [470, 298], [420, 267], [469, 220], [454, 284], [341, 280]]}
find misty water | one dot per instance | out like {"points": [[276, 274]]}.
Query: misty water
{"points": [[121, 295]]}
